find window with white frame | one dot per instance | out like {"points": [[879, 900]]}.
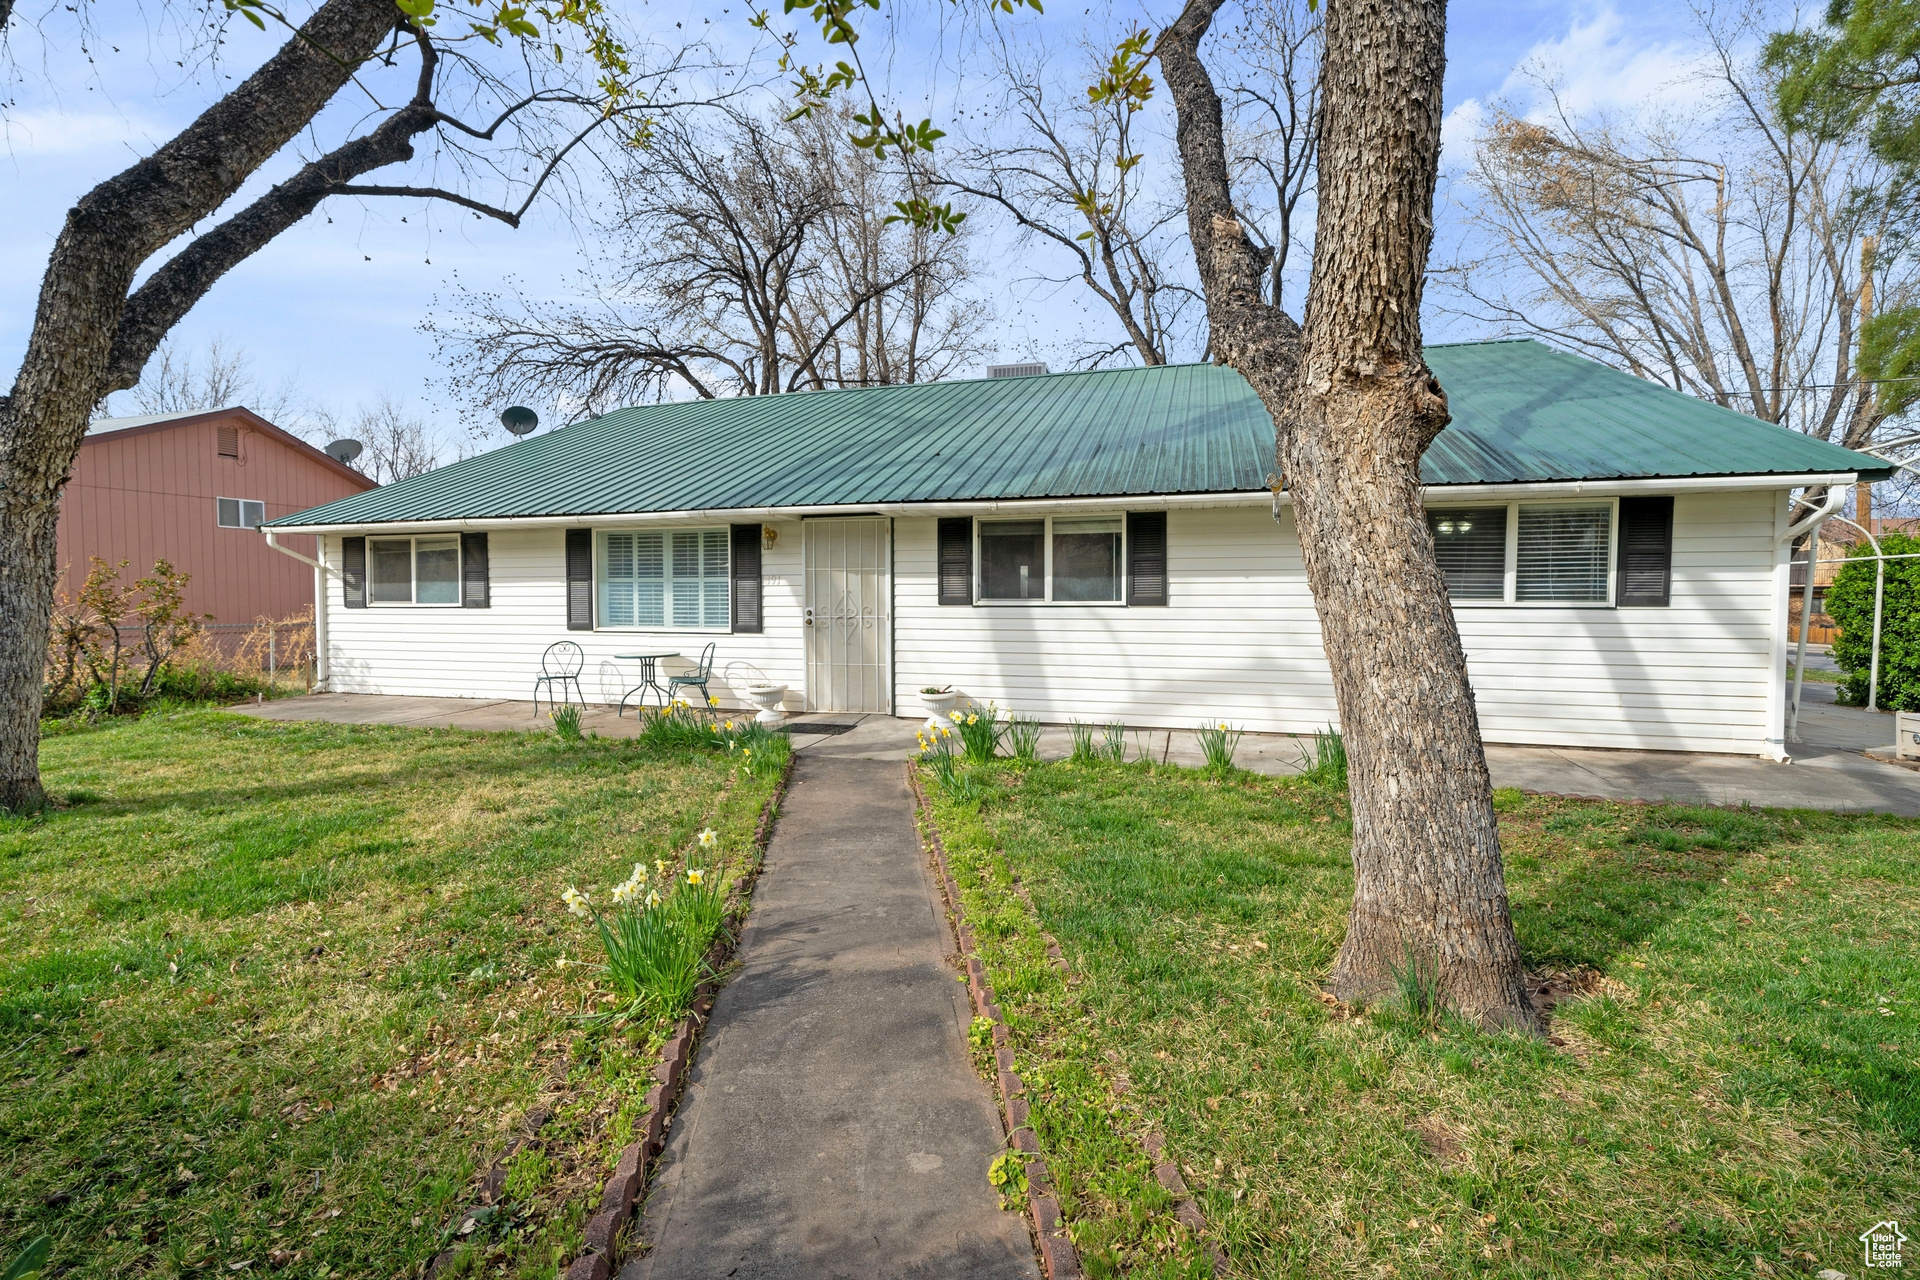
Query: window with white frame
{"points": [[1526, 552], [419, 570], [1061, 559], [665, 578], [239, 513]]}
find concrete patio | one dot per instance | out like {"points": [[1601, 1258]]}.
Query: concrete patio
{"points": [[1830, 769]]}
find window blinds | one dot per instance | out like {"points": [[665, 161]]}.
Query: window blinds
{"points": [[1562, 554], [658, 579], [1471, 545]]}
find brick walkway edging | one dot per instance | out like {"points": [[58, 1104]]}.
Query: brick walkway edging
{"points": [[629, 1179], [1057, 1254]]}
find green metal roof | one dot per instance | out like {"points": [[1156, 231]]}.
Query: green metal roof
{"points": [[1521, 412]]}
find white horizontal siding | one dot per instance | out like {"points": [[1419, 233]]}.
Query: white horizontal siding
{"points": [[495, 652], [1240, 641]]}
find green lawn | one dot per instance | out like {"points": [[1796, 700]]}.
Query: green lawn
{"points": [[1735, 1093], [270, 990]]}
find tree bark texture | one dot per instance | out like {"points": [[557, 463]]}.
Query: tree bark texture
{"points": [[1355, 407], [70, 352]]}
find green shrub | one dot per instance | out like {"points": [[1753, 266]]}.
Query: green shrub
{"points": [[1850, 602]]}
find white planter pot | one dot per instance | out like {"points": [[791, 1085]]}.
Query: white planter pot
{"points": [[939, 707], [768, 697]]}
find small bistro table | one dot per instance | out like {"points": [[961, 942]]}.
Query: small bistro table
{"points": [[649, 679]]}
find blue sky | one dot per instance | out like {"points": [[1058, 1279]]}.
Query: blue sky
{"points": [[335, 304]]}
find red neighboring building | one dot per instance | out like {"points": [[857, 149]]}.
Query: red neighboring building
{"points": [[192, 488]]}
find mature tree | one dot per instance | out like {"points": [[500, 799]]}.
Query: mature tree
{"points": [[1730, 254], [1065, 166], [747, 257], [1355, 406], [1861, 75], [97, 321]]}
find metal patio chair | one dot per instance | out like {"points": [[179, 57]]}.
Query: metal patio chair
{"points": [[560, 665], [695, 679]]}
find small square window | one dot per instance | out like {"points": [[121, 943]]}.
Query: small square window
{"points": [[239, 513]]}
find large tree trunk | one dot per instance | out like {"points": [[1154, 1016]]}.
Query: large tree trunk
{"points": [[66, 370], [1355, 407]]}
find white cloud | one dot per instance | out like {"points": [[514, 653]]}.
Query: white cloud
{"points": [[1602, 65]]}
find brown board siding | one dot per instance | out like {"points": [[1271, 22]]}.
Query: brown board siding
{"points": [[150, 493]]}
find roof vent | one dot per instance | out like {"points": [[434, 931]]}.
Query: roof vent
{"points": [[1030, 369]]}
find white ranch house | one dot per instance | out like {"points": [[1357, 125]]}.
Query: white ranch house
{"points": [[1094, 546]]}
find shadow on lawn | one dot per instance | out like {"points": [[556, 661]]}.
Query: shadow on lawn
{"points": [[1797, 1031], [1627, 877]]}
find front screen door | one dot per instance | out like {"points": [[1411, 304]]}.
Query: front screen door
{"points": [[849, 615]]}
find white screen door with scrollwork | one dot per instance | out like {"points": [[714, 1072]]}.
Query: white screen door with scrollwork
{"points": [[849, 614]]}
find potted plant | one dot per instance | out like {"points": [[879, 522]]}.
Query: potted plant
{"points": [[938, 700], [767, 697]]}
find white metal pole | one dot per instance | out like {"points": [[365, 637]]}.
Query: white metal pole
{"points": [[1806, 624], [1879, 593]]}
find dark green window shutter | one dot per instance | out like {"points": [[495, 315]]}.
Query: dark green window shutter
{"points": [[746, 579], [353, 571], [1645, 560], [956, 561], [476, 591], [1147, 557], [579, 579]]}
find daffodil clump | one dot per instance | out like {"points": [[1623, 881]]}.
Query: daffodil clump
{"points": [[979, 730], [657, 929], [1219, 741], [756, 749]]}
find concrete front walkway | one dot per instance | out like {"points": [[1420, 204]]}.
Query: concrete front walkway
{"points": [[832, 1125], [1830, 768]]}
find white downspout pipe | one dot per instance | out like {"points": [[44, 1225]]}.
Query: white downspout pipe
{"points": [[1836, 498], [322, 666]]}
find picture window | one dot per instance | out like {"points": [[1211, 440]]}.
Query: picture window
{"points": [[1526, 553], [678, 579], [1058, 559]]}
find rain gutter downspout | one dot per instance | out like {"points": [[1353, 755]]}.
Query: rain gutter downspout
{"points": [[322, 668]]}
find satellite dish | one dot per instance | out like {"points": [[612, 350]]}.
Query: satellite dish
{"points": [[345, 450], [519, 420]]}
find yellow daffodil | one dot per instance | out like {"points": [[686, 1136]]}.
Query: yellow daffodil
{"points": [[577, 903], [712, 701], [621, 892], [639, 875], [653, 898], [973, 719], [695, 875], [954, 716], [709, 838], [660, 865]]}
